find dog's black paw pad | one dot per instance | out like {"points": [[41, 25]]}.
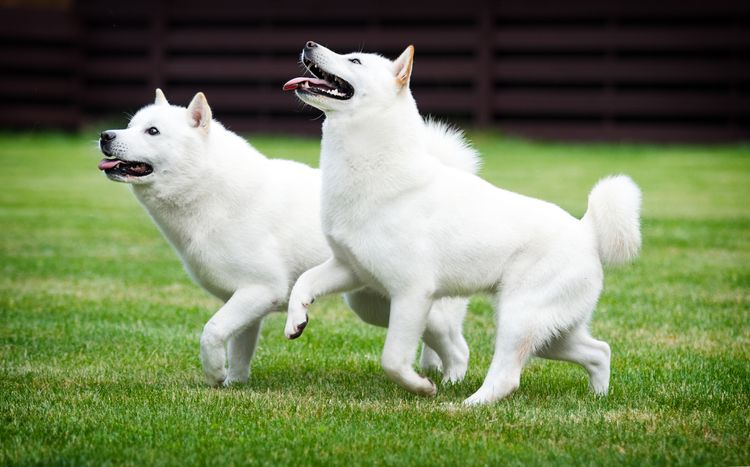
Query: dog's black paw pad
{"points": [[300, 328]]}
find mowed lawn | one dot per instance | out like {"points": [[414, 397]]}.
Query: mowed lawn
{"points": [[99, 330]]}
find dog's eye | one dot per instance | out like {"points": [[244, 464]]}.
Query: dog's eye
{"points": [[355, 60], [153, 131]]}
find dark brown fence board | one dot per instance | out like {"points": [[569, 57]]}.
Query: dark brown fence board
{"points": [[558, 38], [646, 104], [23, 24], [267, 39], [36, 87], [35, 58], [652, 70], [623, 132], [30, 115]]}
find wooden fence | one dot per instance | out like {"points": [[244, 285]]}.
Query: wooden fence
{"points": [[574, 69]]}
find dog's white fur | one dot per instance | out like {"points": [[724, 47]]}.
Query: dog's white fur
{"points": [[245, 228], [419, 231]]}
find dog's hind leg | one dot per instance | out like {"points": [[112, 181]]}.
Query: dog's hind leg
{"points": [[527, 319], [429, 360], [444, 334], [240, 351], [579, 347], [514, 345], [370, 306], [245, 309]]}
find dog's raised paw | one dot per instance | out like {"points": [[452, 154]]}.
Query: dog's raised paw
{"points": [[298, 329]]}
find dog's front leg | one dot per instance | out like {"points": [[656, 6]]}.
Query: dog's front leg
{"points": [[242, 312], [333, 276], [240, 351], [405, 327]]}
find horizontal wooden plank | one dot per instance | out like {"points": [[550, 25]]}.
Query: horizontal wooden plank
{"points": [[221, 99], [580, 9], [621, 103], [437, 69], [342, 39], [302, 125], [558, 38], [38, 116], [661, 70], [37, 58], [111, 13], [445, 100], [27, 24], [118, 97], [37, 87], [119, 38], [625, 132], [102, 67], [231, 68], [330, 11]]}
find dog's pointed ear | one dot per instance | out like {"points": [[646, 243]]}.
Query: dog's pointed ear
{"points": [[403, 66], [200, 112], [160, 98]]}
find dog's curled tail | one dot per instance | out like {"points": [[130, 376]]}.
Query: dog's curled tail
{"points": [[448, 145], [614, 214]]}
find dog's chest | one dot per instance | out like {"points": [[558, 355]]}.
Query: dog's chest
{"points": [[369, 250], [359, 261], [208, 259], [207, 250]]}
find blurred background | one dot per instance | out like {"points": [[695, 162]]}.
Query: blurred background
{"points": [[641, 70]]}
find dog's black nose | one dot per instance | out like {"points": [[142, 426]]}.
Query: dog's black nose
{"points": [[107, 136], [310, 45]]}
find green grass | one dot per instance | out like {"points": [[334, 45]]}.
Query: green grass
{"points": [[99, 331]]}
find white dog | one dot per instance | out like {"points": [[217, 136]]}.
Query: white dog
{"points": [[245, 228], [419, 231]]}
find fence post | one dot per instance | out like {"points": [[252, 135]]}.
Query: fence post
{"points": [[158, 37], [484, 75], [78, 71]]}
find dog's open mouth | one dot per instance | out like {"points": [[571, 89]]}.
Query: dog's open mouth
{"points": [[117, 167], [323, 83]]}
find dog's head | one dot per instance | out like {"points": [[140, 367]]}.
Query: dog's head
{"points": [[159, 140], [345, 82]]}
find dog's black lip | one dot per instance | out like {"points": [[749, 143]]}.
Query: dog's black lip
{"points": [[346, 88]]}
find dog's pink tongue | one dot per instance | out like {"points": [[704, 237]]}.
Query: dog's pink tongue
{"points": [[294, 83], [106, 164]]}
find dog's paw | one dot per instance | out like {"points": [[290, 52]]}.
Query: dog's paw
{"points": [[430, 389], [294, 328], [233, 380], [453, 375], [478, 398], [216, 379], [493, 392], [456, 371], [430, 361]]}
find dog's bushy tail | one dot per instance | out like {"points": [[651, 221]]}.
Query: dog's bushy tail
{"points": [[614, 214], [448, 145]]}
